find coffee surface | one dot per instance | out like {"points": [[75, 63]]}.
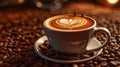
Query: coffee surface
{"points": [[70, 22]]}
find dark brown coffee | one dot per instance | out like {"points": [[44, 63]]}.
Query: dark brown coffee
{"points": [[69, 22]]}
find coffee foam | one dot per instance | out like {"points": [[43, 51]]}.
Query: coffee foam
{"points": [[69, 22]]}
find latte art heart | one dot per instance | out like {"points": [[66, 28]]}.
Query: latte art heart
{"points": [[70, 23]]}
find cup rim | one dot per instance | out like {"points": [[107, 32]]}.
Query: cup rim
{"points": [[53, 17]]}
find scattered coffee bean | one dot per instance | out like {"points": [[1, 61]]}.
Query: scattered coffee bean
{"points": [[5, 56], [98, 65], [111, 58], [1, 62], [74, 65], [95, 62], [81, 65], [5, 65], [102, 59], [115, 63], [1, 44], [104, 64], [20, 28]]}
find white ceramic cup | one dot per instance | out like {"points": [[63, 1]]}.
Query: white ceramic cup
{"points": [[76, 41]]}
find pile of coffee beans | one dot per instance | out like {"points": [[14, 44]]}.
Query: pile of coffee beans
{"points": [[20, 28]]}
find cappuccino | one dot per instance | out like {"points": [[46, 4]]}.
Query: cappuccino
{"points": [[71, 33], [69, 22]]}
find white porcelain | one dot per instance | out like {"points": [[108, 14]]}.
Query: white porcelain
{"points": [[93, 43]]}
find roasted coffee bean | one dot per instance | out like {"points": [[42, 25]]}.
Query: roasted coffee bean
{"points": [[74, 65], [1, 44], [111, 58], [19, 49], [95, 62], [5, 65], [118, 53], [112, 54], [20, 28], [104, 63], [106, 55], [5, 56], [3, 52], [102, 59], [98, 65], [106, 51], [115, 62], [30, 60], [81, 65], [15, 58], [1, 62]]}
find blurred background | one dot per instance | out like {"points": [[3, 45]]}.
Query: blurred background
{"points": [[55, 4]]}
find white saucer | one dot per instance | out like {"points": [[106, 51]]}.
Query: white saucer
{"points": [[94, 42]]}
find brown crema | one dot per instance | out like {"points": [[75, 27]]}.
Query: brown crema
{"points": [[70, 22]]}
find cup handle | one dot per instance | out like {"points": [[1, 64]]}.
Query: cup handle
{"points": [[100, 30]]}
